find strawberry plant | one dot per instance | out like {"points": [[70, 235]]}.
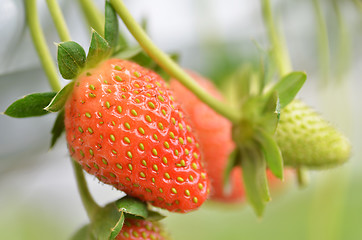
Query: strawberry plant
{"points": [[171, 148], [215, 136]]}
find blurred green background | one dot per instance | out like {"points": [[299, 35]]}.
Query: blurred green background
{"points": [[38, 196]]}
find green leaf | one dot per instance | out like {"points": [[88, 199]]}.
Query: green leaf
{"points": [[255, 180], [31, 105], [83, 233], [58, 128], [111, 29], [233, 161], [59, 100], [272, 153], [289, 86], [71, 59], [129, 52], [144, 60], [107, 222], [132, 206], [154, 216], [98, 50], [238, 85]]}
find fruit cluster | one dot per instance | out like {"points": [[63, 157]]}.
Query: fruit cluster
{"points": [[171, 146]]}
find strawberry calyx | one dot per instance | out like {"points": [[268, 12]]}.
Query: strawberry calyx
{"points": [[256, 149], [107, 222]]}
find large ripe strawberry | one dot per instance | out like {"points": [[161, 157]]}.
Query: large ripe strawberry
{"points": [[123, 126], [214, 133], [215, 137], [141, 230], [306, 139]]}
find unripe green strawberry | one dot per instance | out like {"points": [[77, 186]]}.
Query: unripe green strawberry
{"points": [[215, 137], [141, 230], [306, 139], [123, 126]]}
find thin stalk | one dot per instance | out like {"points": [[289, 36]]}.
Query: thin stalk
{"points": [[94, 18], [344, 45], [41, 45], [323, 44], [169, 65], [58, 20], [302, 177], [89, 204], [279, 48], [358, 4]]}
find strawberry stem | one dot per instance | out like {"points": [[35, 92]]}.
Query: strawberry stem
{"points": [[279, 48], [323, 44], [89, 204], [94, 18], [358, 4], [169, 65], [58, 19], [41, 45]]}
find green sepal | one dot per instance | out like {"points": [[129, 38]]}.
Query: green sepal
{"points": [[111, 29], [99, 50], [255, 179], [31, 105], [289, 86], [122, 44], [271, 152], [107, 222], [59, 100], [58, 128], [270, 113], [233, 161], [132, 206], [84, 233], [71, 59], [154, 216]]}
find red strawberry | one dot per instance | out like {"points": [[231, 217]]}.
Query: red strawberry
{"points": [[142, 230], [124, 127], [215, 137], [214, 133]]}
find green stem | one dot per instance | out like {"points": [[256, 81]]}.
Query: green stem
{"points": [[58, 19], [89, 204], [94, 18], [302, 177], [41, 45], [358, 4], [344, 45], [279, 48], [323, 44], [169, 65]]}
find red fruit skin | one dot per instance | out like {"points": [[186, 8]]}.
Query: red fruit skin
{"points": [[215, 138], [141, 230], [123, 126]]}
